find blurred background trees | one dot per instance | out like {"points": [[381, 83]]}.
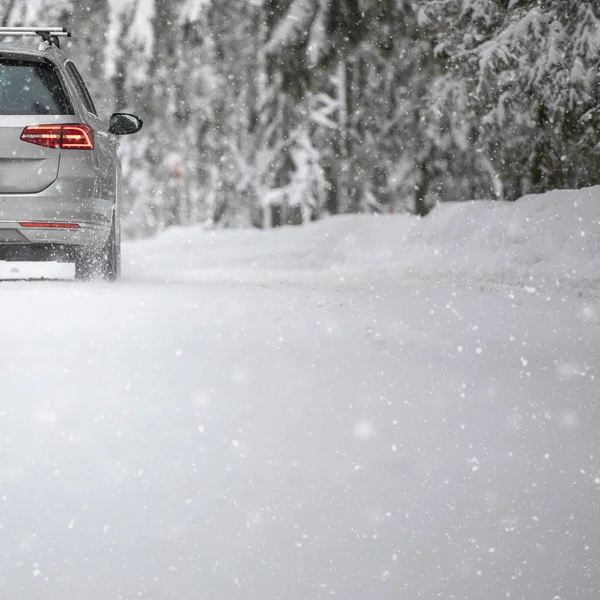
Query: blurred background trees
{"points": [[265, 112]]}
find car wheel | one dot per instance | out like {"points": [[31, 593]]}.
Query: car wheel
{"points": [[110, 265], [105, 264]]}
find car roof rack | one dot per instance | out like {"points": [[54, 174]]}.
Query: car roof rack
{"points": [[48, 34]]}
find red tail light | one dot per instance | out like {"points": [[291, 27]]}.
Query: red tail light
{"points": [[43, 135], [53, 225], [77, 137], [67, 137]]}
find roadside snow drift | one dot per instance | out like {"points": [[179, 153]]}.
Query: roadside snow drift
{"points": [[365, 409], [551, 239]]}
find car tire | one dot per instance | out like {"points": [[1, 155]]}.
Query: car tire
{"points": [[105, 264], [110, 265]]}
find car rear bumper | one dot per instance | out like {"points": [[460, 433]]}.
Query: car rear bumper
{"points": [[86, 234], [68, 202]]}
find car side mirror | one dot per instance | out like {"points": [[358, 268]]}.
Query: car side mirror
{"points": [[124, 124]]}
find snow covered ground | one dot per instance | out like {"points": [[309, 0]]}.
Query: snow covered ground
{"points": [[365, 408]]}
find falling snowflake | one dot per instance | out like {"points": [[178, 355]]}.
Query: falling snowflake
{"points": [[364, 430]]}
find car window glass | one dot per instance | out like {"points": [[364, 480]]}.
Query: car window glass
{"points": [[31, 88], [81, 88]]}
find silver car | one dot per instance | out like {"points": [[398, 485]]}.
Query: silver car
{"points": [[59, 171]]}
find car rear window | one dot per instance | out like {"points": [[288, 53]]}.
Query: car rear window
{"points": [[31, 88]]}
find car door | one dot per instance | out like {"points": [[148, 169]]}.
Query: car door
{"points": [[105, 152]]}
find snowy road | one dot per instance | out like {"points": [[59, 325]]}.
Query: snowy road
{"points": [[260, 435]]}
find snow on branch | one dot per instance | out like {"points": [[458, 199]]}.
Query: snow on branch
{"points": [[294, 28]]}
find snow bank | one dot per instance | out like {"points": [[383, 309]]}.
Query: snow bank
{"points": [[552, 238]]}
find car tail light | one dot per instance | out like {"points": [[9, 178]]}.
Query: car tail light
{"points": [[67, 137], [77, 137], [51, 225], [43, 135]]}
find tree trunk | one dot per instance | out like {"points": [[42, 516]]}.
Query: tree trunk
{"points": [[421, 207], [343, 134]]}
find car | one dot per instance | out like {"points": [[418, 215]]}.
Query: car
{"points": [[59, 170]]}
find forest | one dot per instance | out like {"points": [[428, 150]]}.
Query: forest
{"points": [[267, 112]]}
